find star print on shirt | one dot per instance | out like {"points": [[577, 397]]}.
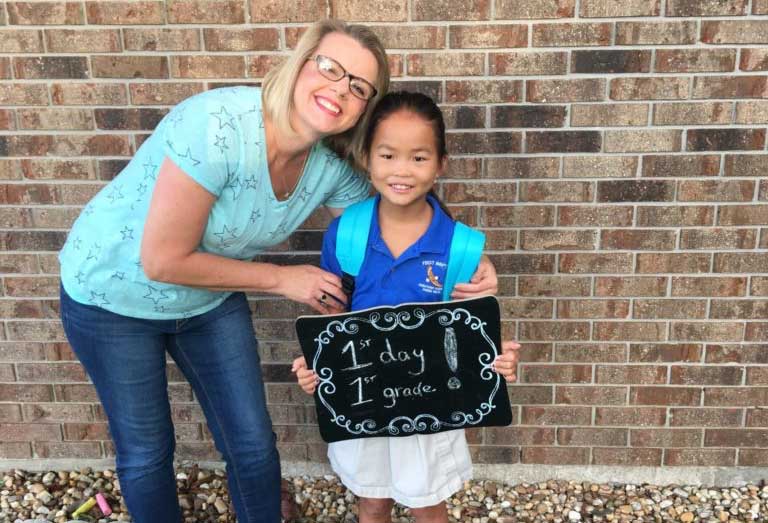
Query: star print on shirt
{"points": [[76, 243], [150, 170], [119, 275], [142, 189], [156, 295], [80, 276], [246, 113], [221, 143], [251, 182], [304, 194], [127, 233], [115, 194], [177, 118], [159, 308], [225, 119], [88, 210], [255, 215], [98, 299], [93, 252], [226, 235]]}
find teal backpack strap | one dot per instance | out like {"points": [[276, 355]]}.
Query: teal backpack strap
{"points": [[352, 235], [466, 248]]}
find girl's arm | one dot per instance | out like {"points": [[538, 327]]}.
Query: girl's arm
{"points": [[177, 218]]}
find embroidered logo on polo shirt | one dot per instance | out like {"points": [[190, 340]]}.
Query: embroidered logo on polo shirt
{"points": [[433, 282]]}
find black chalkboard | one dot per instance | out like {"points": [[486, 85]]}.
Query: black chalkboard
{"points": [[417, 368]]}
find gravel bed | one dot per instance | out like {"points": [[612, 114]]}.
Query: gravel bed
{"points": [[37, 497]]}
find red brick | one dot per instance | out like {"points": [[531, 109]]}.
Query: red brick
{"points": [[610, 8], [88, 94], [725, 139], [528, 63], [757, 417], [630, 416], [587, 263], [523, 168], [51, 67], [710, 331], [488, 36], [29, 432], [556, 455], [56, 412], [760, 7], [21, 41], [584, 437], [554, 331], [520, 308], [589, 216], [50, 372], [559, 91], [161, 39], [510, 9], [705, 417], [517, 216], [609, 115], [655, 140], [693, 113], [610, 61], [717, 191], [742, 86], [590, 395], [484, 454], [55, 119], [519, 436], [754, 60], [130, 67], [631, 286], [630, 374], [206, 12], [17, 264], [15, 450], [441, 64], [676, 216], [735, 396], [555, 373], [578, 309], [734, 32], [658, 33], [554, 286], [45, 13], [68, 450], [125, 13], [530, 394], [484, 91], [753, 457], [743, 215], [717, 238], [42, 169], [706, 7], [162, 93], [741, 262], [207, 67], [83, 41], [626, 457], [666, 438], [735, 438], [524, 263], [745, 164], [241, 39], [637, 239], [657, 88], [559, 191], [635, 191], [756, 331], [591, 352], [571, 34], [700, 457], [474, 192], [737, 354], [551, 415], [543, 116], [695, 60], [563, 141], [665, 352], [670, 309], [629, 331], [673, 396], [705, 375]]}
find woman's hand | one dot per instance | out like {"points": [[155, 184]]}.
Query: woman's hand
{"points": [[506, 362], [307, 378], [313, 286], [483, 283]]}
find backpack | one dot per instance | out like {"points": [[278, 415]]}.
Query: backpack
{"points": [[352, 240]]}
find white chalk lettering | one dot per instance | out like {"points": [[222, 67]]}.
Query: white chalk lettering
{"points": [[393, 393], [403, 356], [350, 346], [359, 381]]}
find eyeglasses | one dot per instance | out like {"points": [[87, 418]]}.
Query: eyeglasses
{"points": [[334, 71]]}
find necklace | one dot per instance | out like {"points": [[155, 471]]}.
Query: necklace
{"points": [[286, 192]]}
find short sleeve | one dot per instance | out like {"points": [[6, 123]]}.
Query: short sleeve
{"points": [[202, 136], [351, 186], [328, 260]]}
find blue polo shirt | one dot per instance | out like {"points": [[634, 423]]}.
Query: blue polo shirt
{"points": [[415, 276]]}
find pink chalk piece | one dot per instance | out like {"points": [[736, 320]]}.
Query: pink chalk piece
{"points": [[103, 505]]}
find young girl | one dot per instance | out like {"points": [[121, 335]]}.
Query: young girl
{"points": [[410, 234]]}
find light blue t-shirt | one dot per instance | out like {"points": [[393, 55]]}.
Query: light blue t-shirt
{"points": [[217, 138]]}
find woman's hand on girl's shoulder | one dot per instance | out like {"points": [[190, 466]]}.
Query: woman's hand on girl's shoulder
{"points": [[307, 378], [506, 362], [483, 283], [313, 286]]}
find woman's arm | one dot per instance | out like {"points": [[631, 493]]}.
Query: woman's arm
{"points": [[483, 283], [177, 218]]}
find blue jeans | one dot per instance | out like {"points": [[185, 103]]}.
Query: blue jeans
{"points": [[217, 352]]}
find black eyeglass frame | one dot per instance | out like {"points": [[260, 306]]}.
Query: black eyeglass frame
{"points": [[347, 74]]}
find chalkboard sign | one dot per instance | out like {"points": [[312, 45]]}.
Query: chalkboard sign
{"points": [[417, 368]]}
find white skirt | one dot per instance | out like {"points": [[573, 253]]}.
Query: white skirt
{"points": [[416, 471]]}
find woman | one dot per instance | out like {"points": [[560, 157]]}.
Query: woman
{"points": [[151, 264]]}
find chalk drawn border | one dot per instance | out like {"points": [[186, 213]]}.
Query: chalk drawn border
{"points": [[387, 322]]}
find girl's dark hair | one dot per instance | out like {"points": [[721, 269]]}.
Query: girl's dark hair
{"points": [[420, 105]]}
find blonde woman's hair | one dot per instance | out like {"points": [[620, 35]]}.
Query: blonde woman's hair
{"points": [[280, 82]]}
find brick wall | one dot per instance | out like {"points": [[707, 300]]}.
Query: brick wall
{"points": [[613, 151]]}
